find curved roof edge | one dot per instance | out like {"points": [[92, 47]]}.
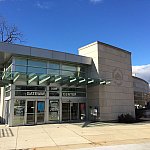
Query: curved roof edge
{"points": [[141, 79]]}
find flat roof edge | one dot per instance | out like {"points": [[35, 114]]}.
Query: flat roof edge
{"points": [[16, 49], [98, 42]]}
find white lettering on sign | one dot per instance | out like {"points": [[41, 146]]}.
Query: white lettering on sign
{"points": [[54, 89], [35, 94], [69, 94]]}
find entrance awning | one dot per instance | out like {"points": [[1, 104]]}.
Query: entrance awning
{"points": [[49, 78]]}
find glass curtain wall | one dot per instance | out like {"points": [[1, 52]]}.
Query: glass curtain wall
{"points": [[44, 67]]}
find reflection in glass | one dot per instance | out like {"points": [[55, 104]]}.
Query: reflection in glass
{"points": [[20, 61], [36, 70], [69, 73], [65, 111], [82, 111], [20, 69], [37, 63], [54, 66], [40, 111], [74, 111], [19, 112], [30, 112], [69, 68]]}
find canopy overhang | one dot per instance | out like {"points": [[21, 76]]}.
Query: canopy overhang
{"points": [[12, 77]]}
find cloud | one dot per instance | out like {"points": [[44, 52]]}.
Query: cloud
{"points": [[42, 5], [142, 71], [96, 1]]}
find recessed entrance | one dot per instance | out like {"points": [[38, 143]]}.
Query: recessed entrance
{"points": [[35, 112], [73, 111]]}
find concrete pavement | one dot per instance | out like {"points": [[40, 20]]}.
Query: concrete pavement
{"points": [[143, 146], [72, 136]]}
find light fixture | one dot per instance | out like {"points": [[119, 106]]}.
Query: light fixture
{"points": [[82, 81], [108, 82], [41, 81], [58, 79], [91, 81], [72, 80], [32, 79], [102, 82]]}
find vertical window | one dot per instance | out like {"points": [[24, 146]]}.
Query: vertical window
{"points": [[19, 112], [68, 70], [54, 69]]}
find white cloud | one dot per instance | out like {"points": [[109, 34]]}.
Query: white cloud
{"points": [[96, 1], [142, 71], [42, 5]]}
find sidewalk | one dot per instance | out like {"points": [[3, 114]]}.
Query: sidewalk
{"points": [[72, 136]]}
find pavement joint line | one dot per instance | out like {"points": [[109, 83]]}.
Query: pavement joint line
{"points": [[50, 137], [79, 135], [17, 138]]}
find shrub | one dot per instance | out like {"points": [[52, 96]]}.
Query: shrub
{"points": [[126, 118]]}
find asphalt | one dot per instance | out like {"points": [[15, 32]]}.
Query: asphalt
{"points": [[90, 136]]}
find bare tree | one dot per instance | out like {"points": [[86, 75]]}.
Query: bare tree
{"points": [[9, 33]]}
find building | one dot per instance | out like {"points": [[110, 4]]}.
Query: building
{"points": [[45, 86], [141, 92]]}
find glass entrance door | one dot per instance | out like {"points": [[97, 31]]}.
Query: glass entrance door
{"points": [[31, 112], [40, 111], [73, 111], [35, 112], [65, 111]]}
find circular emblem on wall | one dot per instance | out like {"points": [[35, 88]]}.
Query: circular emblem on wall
{"points": [[118, 76]]}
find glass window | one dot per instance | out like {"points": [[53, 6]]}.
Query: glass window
{"points": [[69, 68], [54, 69], [20, 69], [36, 70], [54, 66], [19, 112], [20, 61], [42, 64], [69, 73]]}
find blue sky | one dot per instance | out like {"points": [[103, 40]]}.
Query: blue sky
{"points": [[66, 25]]}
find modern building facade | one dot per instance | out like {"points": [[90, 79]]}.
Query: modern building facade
{"points": [[45, 86], [141, 92]]}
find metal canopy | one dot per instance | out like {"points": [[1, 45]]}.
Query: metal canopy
{"points": [[12, 77]]}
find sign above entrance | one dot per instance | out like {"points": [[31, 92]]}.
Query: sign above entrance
{"points": [[35, 93]]}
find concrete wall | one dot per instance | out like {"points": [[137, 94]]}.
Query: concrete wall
{"points": [[113, 64]]}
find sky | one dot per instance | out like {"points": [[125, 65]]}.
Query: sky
{"points": [[66, 25]]}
